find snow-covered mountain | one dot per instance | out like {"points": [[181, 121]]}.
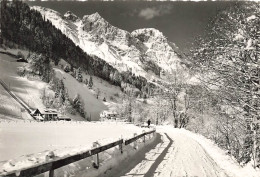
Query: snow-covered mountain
{"points": [[145, 52]]}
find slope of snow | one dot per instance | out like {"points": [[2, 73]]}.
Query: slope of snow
{"points": [[159, 49], [28, 142], [92, 105], [28, 90], [9, 108]]}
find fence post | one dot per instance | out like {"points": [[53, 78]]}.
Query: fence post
{"points": [[144, 136], [97, 161], [121, 145], [51, 173], [121, 148], [135, 142], [96, 158]]}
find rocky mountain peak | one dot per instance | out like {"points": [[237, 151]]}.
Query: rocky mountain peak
{"points": [[93, 18], [94, 21], [149, 34], [71, 16]]}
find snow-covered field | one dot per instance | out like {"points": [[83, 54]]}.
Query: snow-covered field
{"points": [[27, 142]]}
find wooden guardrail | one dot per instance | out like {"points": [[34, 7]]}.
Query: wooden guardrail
{"points": [[55, 163]]}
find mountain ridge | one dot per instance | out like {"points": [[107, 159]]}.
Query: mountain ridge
{"points": [[145, 52]]}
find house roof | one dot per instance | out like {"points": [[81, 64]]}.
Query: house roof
{"points": [[35, 111], [109, 112], [50, 111]]}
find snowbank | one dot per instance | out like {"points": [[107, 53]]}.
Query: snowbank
{"points": [[109, 159], [38, 139]]}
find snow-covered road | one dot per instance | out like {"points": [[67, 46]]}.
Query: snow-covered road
{"points": [[176, 154], [186, 157]]}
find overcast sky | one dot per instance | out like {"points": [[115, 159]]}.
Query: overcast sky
{"points": [[179, 21]]}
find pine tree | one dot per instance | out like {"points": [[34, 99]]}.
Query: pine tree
{"points": [[76, 101], [79, 105], [86, 81], [67, 107], [62, 90], [79, 75], [90, 83]]}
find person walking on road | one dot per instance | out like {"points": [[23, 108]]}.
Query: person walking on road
{"points": [[148, 123]]}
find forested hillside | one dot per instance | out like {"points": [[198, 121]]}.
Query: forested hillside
{"points": [[25, 27]]}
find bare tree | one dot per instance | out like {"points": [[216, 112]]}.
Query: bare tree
{"points": [[229, 60]]}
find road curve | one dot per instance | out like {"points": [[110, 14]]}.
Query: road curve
{"points": [[187, 157], [176, 155]]}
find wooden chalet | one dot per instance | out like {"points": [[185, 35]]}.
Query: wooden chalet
{"points": [[45, 115]]}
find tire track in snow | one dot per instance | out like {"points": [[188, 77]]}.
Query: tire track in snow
{"points": [[188, 158]]}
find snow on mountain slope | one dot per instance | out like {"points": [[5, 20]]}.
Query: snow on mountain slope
{"points": [[92, 105], [159, 50], [30, 91], [143, 51]]}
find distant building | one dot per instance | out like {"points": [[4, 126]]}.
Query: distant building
{"points": [[36, 112], [50, 114], [45, 115], [37, 115], [109, 115]]}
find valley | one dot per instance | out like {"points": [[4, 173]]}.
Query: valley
{"points": [[82, 97]]}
